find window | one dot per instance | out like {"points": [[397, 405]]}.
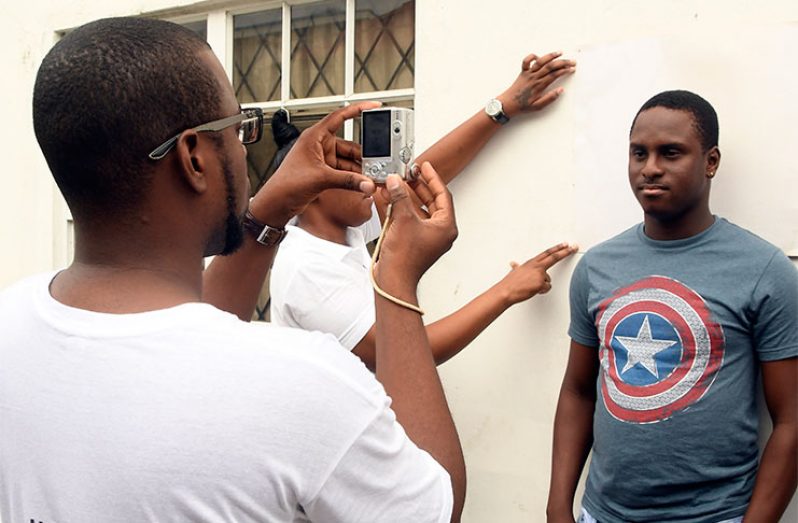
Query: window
{"points": [[313, 57]]}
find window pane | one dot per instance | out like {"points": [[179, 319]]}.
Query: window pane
{"points": [[384, 44], [317, 49], [200, 27], [257, 69]]}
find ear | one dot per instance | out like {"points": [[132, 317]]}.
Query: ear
{"points": [[191, 157], [713, 161]]}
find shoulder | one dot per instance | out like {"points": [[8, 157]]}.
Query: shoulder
{"points": [[295, 391], [751, 252], [23, 289], [741, 238], [300, 249], [623, 240], [297, 245], [315, 359], [309, 263], [28, 283], [609, 250]]}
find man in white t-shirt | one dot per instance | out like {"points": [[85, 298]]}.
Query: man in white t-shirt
{"points": [[320, 277], [123, 397]]}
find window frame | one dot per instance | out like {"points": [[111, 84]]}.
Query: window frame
{"points": [[221, 36]]}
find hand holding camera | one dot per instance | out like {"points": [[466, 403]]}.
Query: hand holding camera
{"points": [[318, 161], [414, 241]]}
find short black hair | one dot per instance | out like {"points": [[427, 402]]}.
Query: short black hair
{"points": [[705, 119], [110, 92]]}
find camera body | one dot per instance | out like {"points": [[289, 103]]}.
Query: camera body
{"points": [[387, 138]]}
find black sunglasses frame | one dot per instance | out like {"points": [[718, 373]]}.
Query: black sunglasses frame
{"points": [[254, 114]]}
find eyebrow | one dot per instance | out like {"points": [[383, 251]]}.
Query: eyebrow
{"points": [[680, 145]]}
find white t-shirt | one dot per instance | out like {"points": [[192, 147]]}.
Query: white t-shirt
{"points": [[188, 414], [319, 285]]}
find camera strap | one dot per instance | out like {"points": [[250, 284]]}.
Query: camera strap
{"points": [[374, 259]]}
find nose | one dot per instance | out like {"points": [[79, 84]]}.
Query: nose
{"points": [[651, 168]]}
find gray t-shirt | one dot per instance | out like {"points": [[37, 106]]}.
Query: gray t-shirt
{"points": [[680, 327]]}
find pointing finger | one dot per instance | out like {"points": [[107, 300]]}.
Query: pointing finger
{"points": [[554, 254]]}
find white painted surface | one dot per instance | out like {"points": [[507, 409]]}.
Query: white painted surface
{"points": [[525, 193]]}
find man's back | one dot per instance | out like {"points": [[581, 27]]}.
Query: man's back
{"points": [[188, 414]]}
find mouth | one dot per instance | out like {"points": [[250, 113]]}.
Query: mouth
{"points": [[652, 189]]}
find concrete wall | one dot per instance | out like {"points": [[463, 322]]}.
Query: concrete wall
{"points": [[519, 197], [32, 213]]}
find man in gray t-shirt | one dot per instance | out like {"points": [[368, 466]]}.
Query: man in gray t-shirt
{"points": [[671, 322]]}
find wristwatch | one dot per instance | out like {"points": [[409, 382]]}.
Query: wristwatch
{"points": [[264, 234], [495, 110]]}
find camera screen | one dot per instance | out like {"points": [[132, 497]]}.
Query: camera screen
{"points": [[376, 133]]}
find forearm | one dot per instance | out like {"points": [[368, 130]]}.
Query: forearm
{"points": [[233, 283], [406, 369], [777, 477], [573, 438], [453, 333], [452, 153]]}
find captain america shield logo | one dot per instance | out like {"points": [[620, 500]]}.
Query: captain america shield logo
{"points": [[660, 350]]}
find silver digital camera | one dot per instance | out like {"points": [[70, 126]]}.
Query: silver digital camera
{"points": [[387, 138]]}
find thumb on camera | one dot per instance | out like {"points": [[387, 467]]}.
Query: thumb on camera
{"points": [[397, 190]]}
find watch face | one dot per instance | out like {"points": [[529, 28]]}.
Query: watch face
{"points": [[494, 107]]}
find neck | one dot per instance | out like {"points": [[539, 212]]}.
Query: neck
{"points": [[124, 289], [685, 227], [136, 274], [320, 227]]}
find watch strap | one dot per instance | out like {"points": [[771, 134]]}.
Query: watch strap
{"points": [[499, 116], [264, 234]]}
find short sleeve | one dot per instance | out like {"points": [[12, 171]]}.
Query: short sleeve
{"points": [[384, 477], [775, 310], [335, 299], [582, 328]]}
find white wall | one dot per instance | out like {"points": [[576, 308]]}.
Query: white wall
{"points": [[521, 196], [516, 199], [32, 225]]}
